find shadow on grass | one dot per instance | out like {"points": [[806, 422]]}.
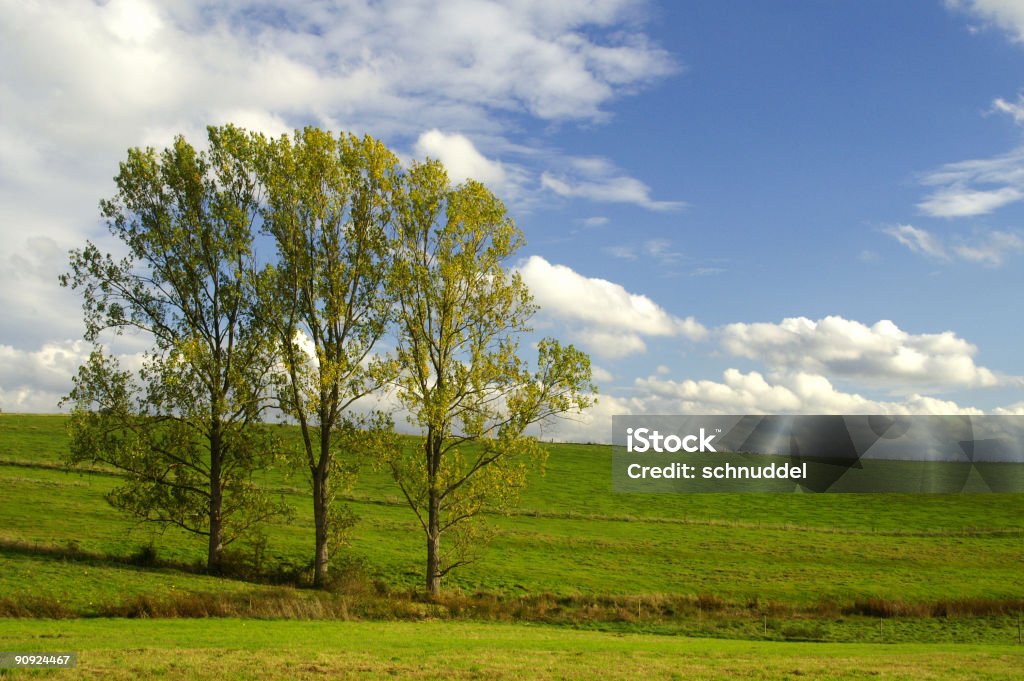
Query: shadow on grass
{"points": [[144, 557]]}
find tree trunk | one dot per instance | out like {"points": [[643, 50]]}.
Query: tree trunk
{"points": [[320, 508], [434, 545], [216, 546]]}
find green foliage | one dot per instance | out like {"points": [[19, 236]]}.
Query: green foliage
{"points": [[459, 317], [179, 427], [225, 336], [328, 208]]}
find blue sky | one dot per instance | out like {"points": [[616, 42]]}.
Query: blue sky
{"points": [[735, 207]]}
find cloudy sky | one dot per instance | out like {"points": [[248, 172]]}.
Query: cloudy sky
{"points": [[735, 207]]}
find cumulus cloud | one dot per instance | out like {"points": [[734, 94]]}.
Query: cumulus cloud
{"points": [[989, 248], [1016, 409], [336, 59], [610, 344], [881, 355], [87, 80], [35, 308], [460, 157], [611, 321], [796, 393], [739, 392], [600, 374], [36, 380]]}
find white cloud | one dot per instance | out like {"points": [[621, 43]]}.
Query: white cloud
{"points": [[610, 344], [597, 179], [747, 393], [594, 425], [959, 201], [87, 80], [131, 21], [661, 249], [918, 240], [882, 355], [1007, 15], [112, 68], [1013, 109], [612, 319], [623, 252], [803, 359], [657, 250], [39, 378], [460, 157], [990, 248], [35, 308], [36, 380], [975, 187], [600, 374], [1016, 409], [797, 393]]}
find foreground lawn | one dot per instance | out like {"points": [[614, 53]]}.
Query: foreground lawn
{"points": [[247, 649]]}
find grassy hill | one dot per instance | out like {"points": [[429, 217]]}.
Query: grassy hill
{"points": [[754, 565]]}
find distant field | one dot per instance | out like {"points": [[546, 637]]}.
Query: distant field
{"points": [[226, 650]]}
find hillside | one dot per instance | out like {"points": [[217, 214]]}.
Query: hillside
{"points": [[570, 539]]}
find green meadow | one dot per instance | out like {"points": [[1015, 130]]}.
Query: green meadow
{"points": [[832, 586], [239, 649]]}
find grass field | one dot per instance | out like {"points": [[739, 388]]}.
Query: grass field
{"points": [[237, 649], [936, 578]]}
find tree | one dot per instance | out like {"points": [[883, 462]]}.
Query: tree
{"points": [[328, 207], [459, 316], [185, 428]]}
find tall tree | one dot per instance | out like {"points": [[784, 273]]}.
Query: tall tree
{"points": [[328, 209], [459, 316], [185, 428]]}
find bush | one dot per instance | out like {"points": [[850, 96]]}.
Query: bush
{"points": [[144, 556]]}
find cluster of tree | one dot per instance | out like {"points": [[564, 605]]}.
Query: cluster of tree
{"points": [[362, 253]]}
